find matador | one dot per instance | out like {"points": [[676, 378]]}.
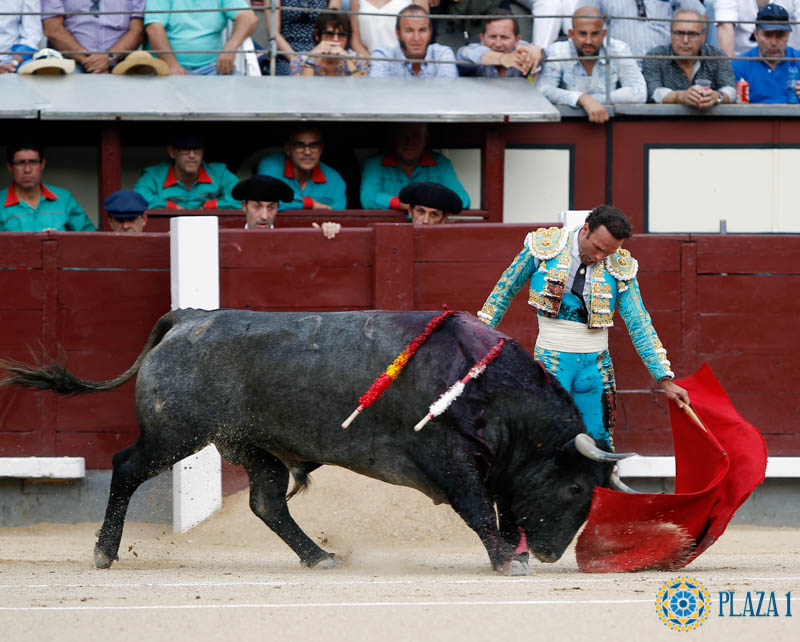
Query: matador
{"points": [[577, 279]]}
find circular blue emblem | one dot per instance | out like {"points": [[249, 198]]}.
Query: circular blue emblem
{"points": [[683, 603]]}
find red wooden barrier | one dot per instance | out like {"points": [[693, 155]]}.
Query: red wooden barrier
{"points": [[722, 299], [158, 220]]}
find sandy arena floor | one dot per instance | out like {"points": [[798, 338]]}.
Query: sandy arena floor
{"points": [[409, 571]]}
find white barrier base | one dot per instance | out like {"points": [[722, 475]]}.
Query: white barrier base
{"points": [[194, 277], [196, 489], [665, 467], [43, 467]]}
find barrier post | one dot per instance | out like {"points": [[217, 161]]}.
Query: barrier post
{"points": [[194, 282]]}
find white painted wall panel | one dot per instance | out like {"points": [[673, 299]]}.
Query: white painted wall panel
{"points": [[754, 190], [788, 205], [536, 185], [467, 164], [74, 169]]}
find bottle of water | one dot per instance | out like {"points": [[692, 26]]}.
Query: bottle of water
{"points": [[793, 75]]}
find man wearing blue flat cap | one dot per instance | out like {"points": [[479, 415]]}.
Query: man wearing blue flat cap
{"points": [[126, 211], [771, 79]]}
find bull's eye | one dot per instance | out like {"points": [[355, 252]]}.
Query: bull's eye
{"points": [[575, 490]]}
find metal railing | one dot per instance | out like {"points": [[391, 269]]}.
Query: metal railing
{"points": [[272, 9]]}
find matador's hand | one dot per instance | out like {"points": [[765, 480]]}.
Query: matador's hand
{"points": [[674, 392]]}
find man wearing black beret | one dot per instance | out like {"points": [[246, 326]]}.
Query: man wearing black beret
{"points": [[429, 203], [260, 195]]}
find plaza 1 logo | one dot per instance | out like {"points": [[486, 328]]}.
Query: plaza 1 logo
{"points": [[683, 603]]}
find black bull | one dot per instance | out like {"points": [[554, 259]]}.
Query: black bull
{"points": [[270, 390]]}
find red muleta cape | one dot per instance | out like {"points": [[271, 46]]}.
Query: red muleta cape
{"points": [[715, 472]]}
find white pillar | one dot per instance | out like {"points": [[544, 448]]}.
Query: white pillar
{"points": [[194, 280]]}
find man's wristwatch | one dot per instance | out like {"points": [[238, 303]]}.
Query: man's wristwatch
{"points": [[719, 97], [14, 63]]}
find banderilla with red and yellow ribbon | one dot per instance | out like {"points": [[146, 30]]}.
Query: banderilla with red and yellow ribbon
{"points": [[396, 367]]}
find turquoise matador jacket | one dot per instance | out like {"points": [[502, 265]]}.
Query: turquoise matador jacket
{"points": [[545, 261]]}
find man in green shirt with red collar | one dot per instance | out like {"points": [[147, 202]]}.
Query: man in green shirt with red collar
{"points": [[187, 182], [28, 205], [316, 185], [409, 161]]}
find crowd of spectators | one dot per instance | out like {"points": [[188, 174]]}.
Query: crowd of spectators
{"points": [[601, 52]]}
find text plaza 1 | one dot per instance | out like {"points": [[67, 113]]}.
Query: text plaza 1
{"points": [[756, 604]]}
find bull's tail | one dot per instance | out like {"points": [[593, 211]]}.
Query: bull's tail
{"points": [[54, 376], [300, 474]]}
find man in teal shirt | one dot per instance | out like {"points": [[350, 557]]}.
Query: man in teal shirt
{"points": [[316, 186], [28, 205], [187, 182], [384, 175], [177, 32]]}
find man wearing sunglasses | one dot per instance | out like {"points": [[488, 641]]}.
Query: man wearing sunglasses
{"points": [[28, 205], [316, 186], [187, 181], [690, 81]]}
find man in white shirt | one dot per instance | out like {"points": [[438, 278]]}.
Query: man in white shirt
{"points": [[582, 82], [19, 33], [414, 35]]}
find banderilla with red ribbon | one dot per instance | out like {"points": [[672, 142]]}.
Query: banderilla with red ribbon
{"points": [[396, 367]]}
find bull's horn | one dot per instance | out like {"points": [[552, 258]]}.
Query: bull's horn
{"points": [[585, 445], [618, 484]]}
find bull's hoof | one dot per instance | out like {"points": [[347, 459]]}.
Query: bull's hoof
{"points": [[513, 567], [101, 560], [326, 562]]}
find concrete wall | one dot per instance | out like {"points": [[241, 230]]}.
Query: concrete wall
{"points": [[29, 501], [775, 503]]}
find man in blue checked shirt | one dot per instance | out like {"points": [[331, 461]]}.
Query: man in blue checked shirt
{"points": [[501, 53], [414, 42], [582, 82]]}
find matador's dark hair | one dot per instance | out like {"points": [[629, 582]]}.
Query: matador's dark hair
{"points": [[614, 220]]}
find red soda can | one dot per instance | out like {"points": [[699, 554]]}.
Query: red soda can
{"points": [[742, 91]]}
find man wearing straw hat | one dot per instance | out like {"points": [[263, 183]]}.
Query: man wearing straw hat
{"points": [[577, 277], [98, 37]]}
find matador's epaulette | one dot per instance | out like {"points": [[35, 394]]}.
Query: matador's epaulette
{"points": [[547, 242], [621, 265]]}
